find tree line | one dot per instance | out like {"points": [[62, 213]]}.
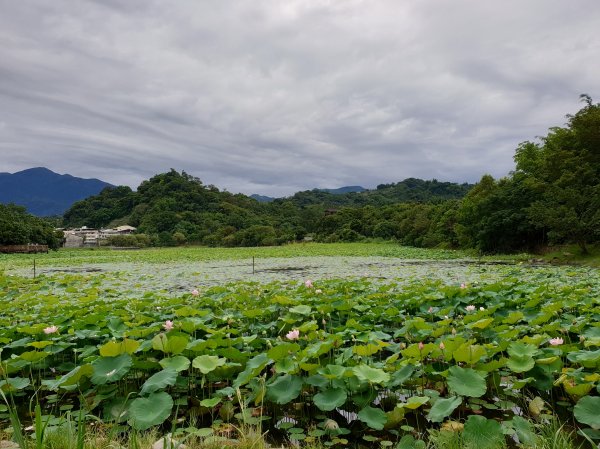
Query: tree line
{"points": [[552, 196]]}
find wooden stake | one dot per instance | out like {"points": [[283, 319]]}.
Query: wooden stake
{"points": [[252, 264], [34, 268]]}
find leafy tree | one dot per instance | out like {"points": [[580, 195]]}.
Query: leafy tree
{"points": [[564, 169], [17, 227]]}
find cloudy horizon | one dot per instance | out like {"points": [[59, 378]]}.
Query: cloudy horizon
{"points": [[274, 97]]}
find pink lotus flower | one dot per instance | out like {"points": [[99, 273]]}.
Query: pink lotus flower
{"points": [[421, 346], [463, 285], [470, 308], [50, 330], [168, 325], [308, 283], [195, 292], [430, 310], [556, 341], [442, 346], [293, 335]]}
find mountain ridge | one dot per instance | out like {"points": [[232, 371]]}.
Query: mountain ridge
{"points": [[44, 192]]}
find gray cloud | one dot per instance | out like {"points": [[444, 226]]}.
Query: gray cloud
{"points": [[273, 97]]}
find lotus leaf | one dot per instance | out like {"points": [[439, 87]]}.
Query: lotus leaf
{"points": [[158, 381], [207, 363], [110, 369], [284, 389], [375, 418], [178, 363], [442, 408], [466, 382], [483, 433], [150, 411], [330, 399], [371, 375], [114, 348], [587, 411]]}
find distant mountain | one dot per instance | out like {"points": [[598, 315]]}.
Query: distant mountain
{"points": [[339, 191], [342, 190], [262, 198], [45, 193]]}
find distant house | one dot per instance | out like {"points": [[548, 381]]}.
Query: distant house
{"points": [[125, 229], [88, 237]]}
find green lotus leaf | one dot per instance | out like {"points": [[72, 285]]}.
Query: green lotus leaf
{"points": [[333, 371], [520, 364], [414, 402], [481, 324], [395, 417], [302, 309], [400, 376], [34, 356], [114, 348], [525, 432], [483, 433], [170, 343], [442, 408], [466, 382], [592, 336], [375, 418], [409, 442], [71, 378], [282, 350], [371, 375], [210, 403], [330, 399], [111, 369], [469, 353], [519, 349], [158, 381], [13, 384], [254, 366], [588, 359], [284, 389], [367, 350], [208, 363], [150, 411], [587, 411], [178, 363]]}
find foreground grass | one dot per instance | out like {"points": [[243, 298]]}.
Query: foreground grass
{"points": [[548, 435]]}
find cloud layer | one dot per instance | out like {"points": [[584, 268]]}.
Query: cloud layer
{"points": [[272, 97]]}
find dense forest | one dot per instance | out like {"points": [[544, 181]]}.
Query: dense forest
{"points": [[552, 196], [17, 227], [175, 208]]}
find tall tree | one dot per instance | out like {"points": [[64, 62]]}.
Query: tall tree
{"points": [[564, 168]]}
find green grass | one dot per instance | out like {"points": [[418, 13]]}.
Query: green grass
{"points": [[572, 255]]}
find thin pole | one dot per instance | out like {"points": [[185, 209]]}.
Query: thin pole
{"points": [[252, 264], [34, 268]]}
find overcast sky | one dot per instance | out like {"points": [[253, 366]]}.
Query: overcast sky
{"points": [[276, 96]]}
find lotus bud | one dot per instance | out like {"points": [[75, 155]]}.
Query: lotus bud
{"points": [[442, 346]]}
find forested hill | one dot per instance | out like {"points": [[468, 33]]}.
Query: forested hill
{"points": [[407, 191], [552, 196], [178, 206]]}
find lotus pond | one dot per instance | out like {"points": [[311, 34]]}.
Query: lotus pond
{"points": [[376, 351]]}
